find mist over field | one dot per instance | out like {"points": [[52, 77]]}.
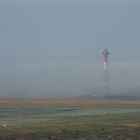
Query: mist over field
{"points": [[54, 49]]}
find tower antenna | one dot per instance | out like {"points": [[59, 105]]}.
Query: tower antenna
{"points": [[105, 68]]}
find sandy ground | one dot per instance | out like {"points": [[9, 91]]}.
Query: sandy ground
{"points": [[70, 101]]}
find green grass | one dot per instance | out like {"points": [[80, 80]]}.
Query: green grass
{"points": [[71, 122]]}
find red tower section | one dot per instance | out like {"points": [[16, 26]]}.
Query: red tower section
{"points": [[105, 54]]}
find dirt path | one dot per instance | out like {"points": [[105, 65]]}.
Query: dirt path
{"points": [[70, 101]]}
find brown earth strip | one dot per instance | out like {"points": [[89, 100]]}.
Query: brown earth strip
{"points": [[70, 101]]}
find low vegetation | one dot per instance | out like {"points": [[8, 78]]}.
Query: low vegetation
{"points": [[71, 122]]}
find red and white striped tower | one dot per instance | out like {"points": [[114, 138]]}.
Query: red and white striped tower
{"points": [[105, 55], [106, 74]]}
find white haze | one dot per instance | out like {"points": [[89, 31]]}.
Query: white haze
{"points": [[65, 79], [53, 49]]}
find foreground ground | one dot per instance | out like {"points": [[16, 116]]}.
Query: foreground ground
{"points": [[69, 119]]}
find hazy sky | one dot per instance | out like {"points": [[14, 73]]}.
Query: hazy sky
{"points": [[54, 47]]}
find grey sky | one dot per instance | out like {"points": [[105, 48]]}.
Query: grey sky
{"points": [[50, 48], [66, 2]]}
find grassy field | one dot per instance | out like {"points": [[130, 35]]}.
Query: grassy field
{"points": [[61, 120]]}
